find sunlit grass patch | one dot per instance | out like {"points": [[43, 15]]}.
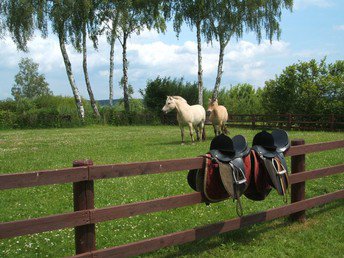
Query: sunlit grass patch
{"points": [[29, 150]]}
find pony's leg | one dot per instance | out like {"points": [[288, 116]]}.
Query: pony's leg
{"points": [[197, 133], [224, 128], [202, 130], [182, 133], [191, 133]]}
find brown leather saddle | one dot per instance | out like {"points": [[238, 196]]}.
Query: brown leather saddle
{"points": [[231, 168], [269, 167], [224, 174]]}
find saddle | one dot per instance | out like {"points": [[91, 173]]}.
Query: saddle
{"points": [[224, 174], [270, 167], [232, 169]]}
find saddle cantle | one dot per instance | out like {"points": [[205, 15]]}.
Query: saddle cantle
{"points": [[225, 170], [268, 150]]}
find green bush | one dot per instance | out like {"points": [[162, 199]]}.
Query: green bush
{"points": [[7, 119], [156, 91]]}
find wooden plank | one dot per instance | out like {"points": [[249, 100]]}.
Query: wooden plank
{"points": [[46, 177], [310, 148], [132, 209], [144, 168], [152, 244], [317, 173], [171, 202], [49, 223]]}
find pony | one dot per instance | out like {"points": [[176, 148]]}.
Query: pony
{"points": [[218, 116], [192, 116]]}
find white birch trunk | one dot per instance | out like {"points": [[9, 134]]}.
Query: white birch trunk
{"points": [[87, 80], [200, 70], [219, 70], [112, 52], [125, 74], [71, 79]]}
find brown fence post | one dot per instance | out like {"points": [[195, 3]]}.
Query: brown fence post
{"points": [[253, 119], [298, 189], [289, 121], [85, 236], [331, 122]]}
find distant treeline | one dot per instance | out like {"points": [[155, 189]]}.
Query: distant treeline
{"points": [[302, 88]]}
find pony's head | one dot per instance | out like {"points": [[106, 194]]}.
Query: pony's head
{"points": [[213, 103], [169, 105]]}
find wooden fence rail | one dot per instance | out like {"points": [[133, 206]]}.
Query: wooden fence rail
{"points": [[85, 216], [315, 122]]}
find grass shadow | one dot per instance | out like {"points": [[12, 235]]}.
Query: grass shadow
{"points": [[243, 236]]}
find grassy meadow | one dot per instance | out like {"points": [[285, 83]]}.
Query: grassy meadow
{"points": [[29, 150]]}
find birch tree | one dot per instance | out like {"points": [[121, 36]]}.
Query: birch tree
{"points": [[133, 17], [107, 22], [230, 19], [82, 21], [193, 13], [60, 17], [22, 18]]}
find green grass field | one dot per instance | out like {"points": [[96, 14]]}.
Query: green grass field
{"points": [[28, 150]]}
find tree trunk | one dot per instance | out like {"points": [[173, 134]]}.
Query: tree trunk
{"points": [[219, 70], [70, 76], [200, 71], [125, 74], [112, 52], [87, 80]]}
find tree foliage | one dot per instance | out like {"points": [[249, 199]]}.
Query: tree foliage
{"points": [[156, 91], [28, 82], [306, 88]]}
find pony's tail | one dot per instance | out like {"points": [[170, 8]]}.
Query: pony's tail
{"points": [[203, 133]]}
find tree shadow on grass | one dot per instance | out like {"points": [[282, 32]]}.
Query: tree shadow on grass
{"points": [[242, 236]]}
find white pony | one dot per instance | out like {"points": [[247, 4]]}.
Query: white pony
{"points": [[192, 116]]}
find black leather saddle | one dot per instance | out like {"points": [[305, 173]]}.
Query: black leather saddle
{"points": [[269, 150], [224, 173]]}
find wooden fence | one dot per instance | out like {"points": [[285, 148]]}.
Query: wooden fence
{"points": [[83, 219], [329, 122]]}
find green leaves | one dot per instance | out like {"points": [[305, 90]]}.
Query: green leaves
{"points": [[307, 88], [28, 82]]}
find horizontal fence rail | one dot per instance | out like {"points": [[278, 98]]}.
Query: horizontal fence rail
{"points": [[77, 174], [83, 219], [38, 225], [182, 237]]}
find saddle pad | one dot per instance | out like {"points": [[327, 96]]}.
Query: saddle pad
{"points": [[259, 186], [213, 188]]}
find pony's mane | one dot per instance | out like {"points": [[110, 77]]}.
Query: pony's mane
{"points": [[179, 98]]}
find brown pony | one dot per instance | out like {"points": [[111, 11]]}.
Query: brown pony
{"points": [[218, 116]]}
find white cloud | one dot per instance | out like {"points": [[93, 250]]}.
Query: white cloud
{"points": [[302, 4], [148, 58], [339, 27]]}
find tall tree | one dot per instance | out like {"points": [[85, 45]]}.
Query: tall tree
{"points": [[134, 16], [28, 82], [82, 20], [232, 18], [193, 12], [106, 20], [24, 17], [60, 16]]}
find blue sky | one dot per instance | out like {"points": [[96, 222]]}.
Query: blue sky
{"points": [[313, 30]]}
